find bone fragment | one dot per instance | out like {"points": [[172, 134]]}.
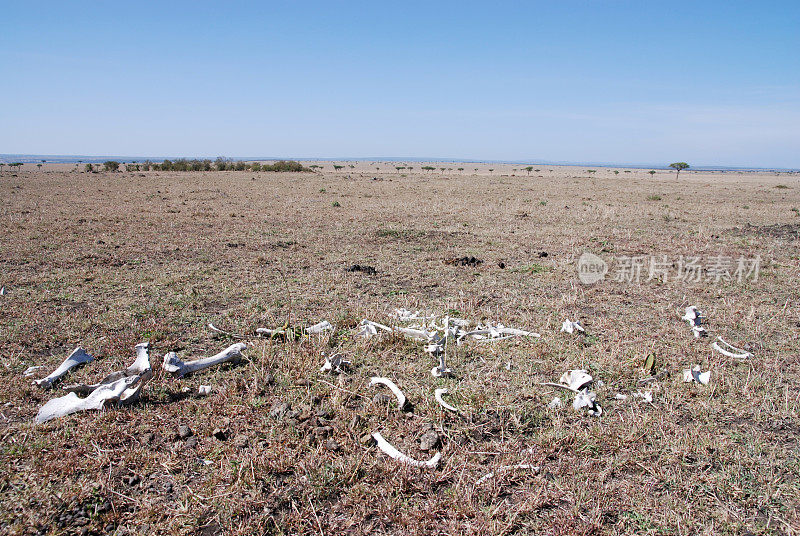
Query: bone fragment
{"points": [[523, 466], [140, 367], [694, 374], [392, 452], [575, 379], [335, 363], [401, 398], [570, 327], [100, 398]]}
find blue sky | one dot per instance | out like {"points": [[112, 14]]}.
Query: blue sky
{"points": [[711, 83]]}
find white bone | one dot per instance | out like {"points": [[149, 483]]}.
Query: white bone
{"points": [[693, 374], [523, 466], [401, 398], [98, 399], [647, 396], [693, 316], [405, 315], [179, 369], [204, 390], [575, 379], [335, 363], [699, 332], [140, 367], [620, 396], [3, 291], [77, 357], [555, 403], [416, 334], [570, 327], [497, 332], [392, 452], [586, 399], [368, 328], [737, 353], [437, 394], [31, 370], [321, 327]]}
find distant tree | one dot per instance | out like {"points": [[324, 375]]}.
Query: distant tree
{"points": [[89, 168], [39, 166], [221, 163], [239, 166], [461, 169], [337, 167], [428, 168], [111, 165], [529, 169], [678, 167], [652, 172], [256, 166], [616, 172], [442, 169], [491, 171], [398, 168]]}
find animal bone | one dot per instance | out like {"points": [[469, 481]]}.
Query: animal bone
{"points": [[368, 328], [100, 398], [437, 394], [586, 399], [693, 316], [570, 327], [522, 466], [694, 375], [140, 367], [699, 332], [499, 332], [392, 452], [555, 403], [335, 363], [319, 328], [404, 315], [737, 353], [401, 398], [77, 357], [179, 369], [647, 396], [575, 379], [204, 390]]}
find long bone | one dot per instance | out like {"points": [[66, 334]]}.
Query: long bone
{"points": [[730, 351], [392, 452], [77, 357], [179, 369]]}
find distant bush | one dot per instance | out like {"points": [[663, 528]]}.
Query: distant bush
{"points": [[89, 168], [285, 165], [111, 165]]}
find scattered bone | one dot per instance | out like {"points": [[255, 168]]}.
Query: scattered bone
{"points": [[392, 452], [179, 369], [647, 396], [437, 394], [31, 370], [401, 398], [336, 364], [214, 328], [77, 357], [368, 328], [3, 291], [694, 375], [319, 328], [620, 396], [730, 350], [404, 315], [586, 399], [523, 466], [695, 318], [204, 390], [570, 327], [496, 332], [100, 398], [140, 367], [574, 380], [555, 403]]}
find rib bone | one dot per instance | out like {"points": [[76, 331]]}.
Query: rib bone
{"points": [[401, 398], [737, 353], [179, 369], [77, 357], [437, 394], [392, 452]]}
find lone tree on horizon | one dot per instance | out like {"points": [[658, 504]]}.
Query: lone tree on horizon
{"points": [[678, 166]]}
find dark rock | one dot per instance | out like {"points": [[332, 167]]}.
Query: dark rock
{"points": [[369, 270], [220, 434]]}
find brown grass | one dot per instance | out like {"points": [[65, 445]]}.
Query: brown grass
{"points": [[111, 259]]}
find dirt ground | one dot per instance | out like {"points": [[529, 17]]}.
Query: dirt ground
{"points": [[108, 260]]}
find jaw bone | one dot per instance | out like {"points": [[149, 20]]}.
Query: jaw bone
{"points": [[77, 357], [179, 369], [100, 398], [140, 367], [392, 452]]}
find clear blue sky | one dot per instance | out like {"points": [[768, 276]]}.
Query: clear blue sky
{"points": [[713, 83]]}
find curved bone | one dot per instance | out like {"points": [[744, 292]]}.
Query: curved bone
{"points": [[401, 398], [179, 369], [141, 367], [392, 452], [437, 394], [30, 371], [101, 397], [487, 476], [77, 357], [575, 379], [737, 353]]}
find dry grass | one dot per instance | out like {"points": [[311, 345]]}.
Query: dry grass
{"points": [[109, 260]]}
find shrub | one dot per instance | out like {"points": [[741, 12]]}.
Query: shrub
{"points": [[285, 165], [111, 165], [89, 168]]}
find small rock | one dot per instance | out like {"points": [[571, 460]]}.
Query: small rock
{"points": [[428, 440], [382, 399], [367, 439], [278, 410], [332, 445], [190, 443], [220, 434], [323, 430], [240, 441], [184, 431]]}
